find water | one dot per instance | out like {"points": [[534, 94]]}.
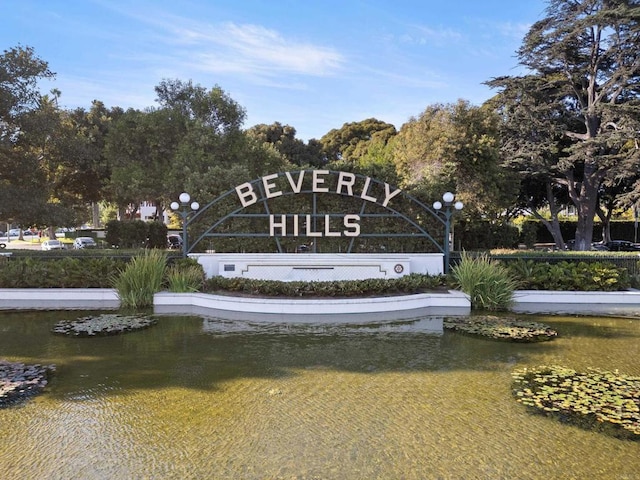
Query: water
{"points": [[195, 398]]}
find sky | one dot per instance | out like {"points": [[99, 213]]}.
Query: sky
{"points": [[311, 64]]}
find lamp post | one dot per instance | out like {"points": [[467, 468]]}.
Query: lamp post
{"points": [[448, 199], [184, 210]]}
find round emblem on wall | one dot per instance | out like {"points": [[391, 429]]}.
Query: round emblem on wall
{"points": [[398, 268]]}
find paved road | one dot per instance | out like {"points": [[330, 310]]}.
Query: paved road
{"points": [[16, 244]]}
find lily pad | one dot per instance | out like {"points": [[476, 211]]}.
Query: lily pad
{"points": [[501, 328], [607, 402], [19, 381], [102, 325]]}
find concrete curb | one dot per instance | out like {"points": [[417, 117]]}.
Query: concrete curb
{"points": [[59, 299], [452, 303], [553, 302], [313, 309]]}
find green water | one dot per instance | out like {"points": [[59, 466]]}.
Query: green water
{"points": [[202, 399]]}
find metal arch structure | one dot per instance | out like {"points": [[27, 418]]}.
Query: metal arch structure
{"points": [[258, 185]]}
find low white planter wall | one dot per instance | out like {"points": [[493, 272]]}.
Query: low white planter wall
{"points": [[318, 266], [542, 301], [344, 310], [59, 299]]}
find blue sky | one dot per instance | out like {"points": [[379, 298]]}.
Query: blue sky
{"points": [[311, 64]]}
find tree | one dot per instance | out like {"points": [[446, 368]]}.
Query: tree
{"points": [[21, 178], [455, 147], [283, 139], [352, 140], [140, 148], [584, 59]]}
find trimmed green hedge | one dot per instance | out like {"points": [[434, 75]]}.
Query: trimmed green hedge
{"points": [[64, 272], [97, 271], [407, 284], [569, 276]]}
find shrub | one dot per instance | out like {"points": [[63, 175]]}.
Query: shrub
{"points": [[62, 272], [127, 234], [489, 284], [413, 283], [141, 279], [569, 276], [184, 278], [156, 235]]}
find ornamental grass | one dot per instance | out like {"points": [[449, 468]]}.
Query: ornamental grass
{"points": [[141, 279], [185, 278], [489, 284]]}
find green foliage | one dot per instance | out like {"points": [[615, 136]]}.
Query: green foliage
{"points": [[553, 128], [478, 234], [455, 147], [183, 278], [352, 141], [156, 235], [528, 234], [132, 234], [569, 276], [604, 401], [141, 279], [489, 284], [408, 284], [62, 272]]}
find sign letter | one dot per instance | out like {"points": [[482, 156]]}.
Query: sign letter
{"points": [[388, 195], [352, 225], [346, 180], [282, 225], [270, 186], [365, 190], [246, 194], [295, 187], [317, 181]]}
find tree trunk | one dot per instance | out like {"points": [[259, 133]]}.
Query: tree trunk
{"points": [[553, 225], [586, 203], [95, 214]]}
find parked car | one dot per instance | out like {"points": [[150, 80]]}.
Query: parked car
{"points": [[622, 246], [174, 242], [15, 232], [84, 242], [52, 245]]}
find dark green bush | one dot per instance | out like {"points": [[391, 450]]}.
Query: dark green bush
{"points": [[128, 234], [63, 272], [156, 235], [569, 276], [407, 284]]}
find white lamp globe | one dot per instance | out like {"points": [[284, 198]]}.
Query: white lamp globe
{"points": [[437, 205], [195, 206], [174, 206], [448, 197], [458, 205], [185, 197]]}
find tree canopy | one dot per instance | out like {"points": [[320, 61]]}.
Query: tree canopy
{"points": [[455, 147], [574, 120]]}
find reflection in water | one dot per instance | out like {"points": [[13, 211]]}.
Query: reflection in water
{"points": [[203, 398]]}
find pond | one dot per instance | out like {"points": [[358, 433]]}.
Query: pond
{"points": [[195, 398]]}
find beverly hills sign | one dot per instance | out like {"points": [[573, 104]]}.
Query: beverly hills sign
{"points": [[317, 182], [384, 236]]}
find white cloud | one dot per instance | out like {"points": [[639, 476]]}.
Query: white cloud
{"points": [[238, 48]]}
